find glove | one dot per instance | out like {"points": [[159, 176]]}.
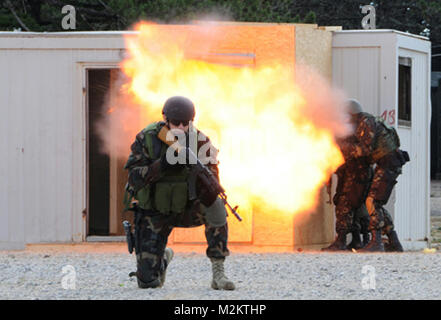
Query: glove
{"points": [[206, 197]]}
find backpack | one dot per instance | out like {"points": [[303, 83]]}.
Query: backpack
{"points": [[386, 140]]}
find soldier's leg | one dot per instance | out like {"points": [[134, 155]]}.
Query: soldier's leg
{"points": [[216, 233], [356, 229], [388, 222], [357, 198], [382, 184], [363, 217], [356, 220], [154, 229], [379, 193], [393, 169], [343, 223], [385, 177], [389, 230], [376, 222], [374, 208]]}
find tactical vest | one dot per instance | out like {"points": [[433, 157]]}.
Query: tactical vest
{"points": [[386, 140], [170, 193]]}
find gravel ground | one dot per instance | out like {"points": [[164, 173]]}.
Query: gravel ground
{"points": [[286, 276]]}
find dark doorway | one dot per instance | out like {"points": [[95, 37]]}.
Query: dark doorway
{"points": [[435, 151], [105, 170], [98, 83]]}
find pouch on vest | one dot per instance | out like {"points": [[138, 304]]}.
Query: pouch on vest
{"points": [[403, 156], [144, 198], [171, 197]]}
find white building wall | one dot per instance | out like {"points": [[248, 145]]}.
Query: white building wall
{"points": [[365, 65], [357, 70], [413, 186], [43, 130], [43, 134]]}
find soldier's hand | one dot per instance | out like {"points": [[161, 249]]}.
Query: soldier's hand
{"points": [[154, 172], [370, 205]]}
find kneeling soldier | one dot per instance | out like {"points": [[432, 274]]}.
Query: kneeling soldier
{"points": [[169, 196]]}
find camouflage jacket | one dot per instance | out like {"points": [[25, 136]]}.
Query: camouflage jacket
{"points": [[362, 142], [143, 169]]}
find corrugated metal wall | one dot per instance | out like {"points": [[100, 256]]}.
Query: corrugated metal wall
{"points": [[41, 140]]}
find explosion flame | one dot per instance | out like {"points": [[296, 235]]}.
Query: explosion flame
{"points": [[276, 133]]}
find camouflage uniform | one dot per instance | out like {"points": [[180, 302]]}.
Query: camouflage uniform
{"points": [[354, 178], [388, 166], [152, 227]]}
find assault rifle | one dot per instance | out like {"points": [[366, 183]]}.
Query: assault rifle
{"points": [[200, 171]]}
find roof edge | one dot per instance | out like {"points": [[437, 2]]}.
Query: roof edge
{"points": [[384, 31]]}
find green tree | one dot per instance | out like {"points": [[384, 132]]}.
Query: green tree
{"points": [[415, 16]]}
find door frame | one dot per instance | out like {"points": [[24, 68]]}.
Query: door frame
{"points": [[84, 67]]}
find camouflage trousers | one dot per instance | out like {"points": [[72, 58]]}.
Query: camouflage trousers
{"points": [[153, 231], [352, 187], [385, 177], [350, 219]]}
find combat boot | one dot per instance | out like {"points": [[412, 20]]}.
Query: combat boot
{"points": [[220, 280], [145, 285], [394, 243], [356, 241], [376, 244], [338, 244], [168, 256]]}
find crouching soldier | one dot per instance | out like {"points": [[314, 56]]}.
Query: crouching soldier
{"points": [[380, 143], [168, 195], [354, 178]]}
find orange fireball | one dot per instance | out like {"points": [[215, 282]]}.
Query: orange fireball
{"points": [[274, 152]]}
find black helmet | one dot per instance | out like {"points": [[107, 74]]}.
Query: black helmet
{"points": [[178, 108]]}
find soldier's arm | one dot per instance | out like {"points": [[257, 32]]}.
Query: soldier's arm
{"points": [[142, 169]]}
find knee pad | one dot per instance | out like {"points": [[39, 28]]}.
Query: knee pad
{"points": [[216, 214]]}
